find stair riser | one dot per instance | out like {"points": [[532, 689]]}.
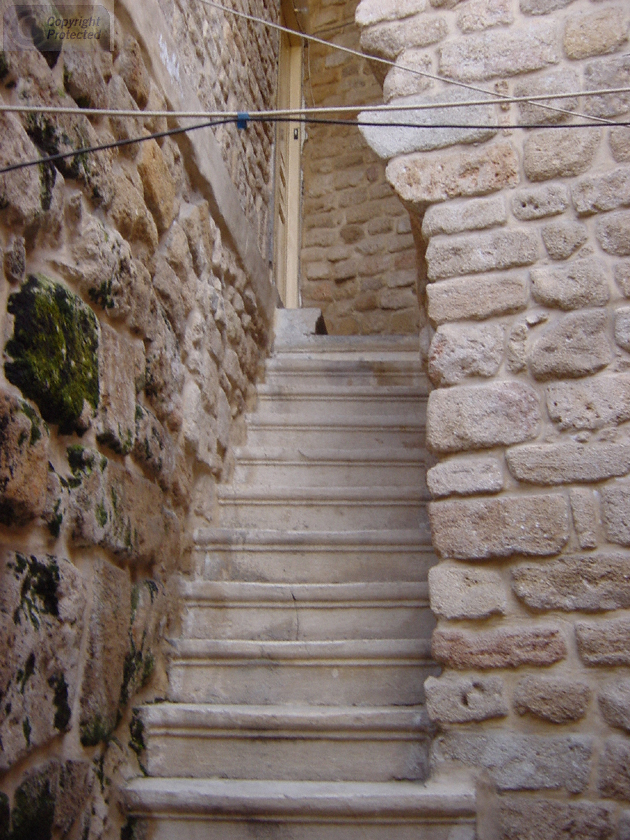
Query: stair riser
{"points": [[297, 436], [312, 410], [263, 757], [315, 516], [299, 622], [332, 683], [330, 475]]}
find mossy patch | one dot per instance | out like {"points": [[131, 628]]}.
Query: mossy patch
{"points": [[54, 351], [95, 730], [39, 592], [63, 711], [34, 808]]}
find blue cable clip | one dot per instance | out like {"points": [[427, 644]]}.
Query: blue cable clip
{"points": [[242, 118]]}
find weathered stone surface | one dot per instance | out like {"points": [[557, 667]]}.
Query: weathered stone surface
{"points": [[614, 779], [557, 81], [22, 191], [456, 217], [108, 646], [621, 272], [595, 33], [616, 512], [475, 417], [586, 518], [619, 141], [476, 298], [624, 826], [389, 39], [42, 603], [130, 66], [522, 762], [465, 476], [374, 11], [613, 233], [614, 703], [14, 260], [555, 699], [24, 448], [399, 82], [475, 253], [573, 286], [115, 422], [479, 529], [542, 7], [148, 616], [604, 642], [524, 818], [622, 327], [130, 215], [563, 238], [153, 446], [484, 14], [457, 352], [561, 153], [563, 463], [586, 582], [422, 179], [458, 591], [83, 72], [575, 345], [590, 403], [606, 74], [538, 202], [505, 647], [158, 184], [461, 699], [501, 53], [601, 193]]}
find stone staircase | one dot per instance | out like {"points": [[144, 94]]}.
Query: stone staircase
{"points": [[296, 689]]}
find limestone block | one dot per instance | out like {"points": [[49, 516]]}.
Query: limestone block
{"points": [[476, 298], [590, 403], [14, 260], [465, 476], [123, 128], [399, 141], [600, 193], [159, 187], [107, 648], [563, 238], [422, 179], [480, 529], [484, 14], [23, 461], [505, 647], [614, 704], [42, 603], [148, 615], [619, 141], [624, 826], [542, 7], [595, 33], [561, 153], [130, 215], [586, 518], [621, 273], [575, 345], [458, 591], [175, 293], [486, 55], [604, 642], [573, 286], [522, 762], [389, 39], [622, 327], [460, 699], [83, 72], [459, 216], [614, 781], [476, 253], [457, 352], [567, 462], [153, 446], [616, 512], [475, 417], [524, 818], [538, 202], [556, 81], [613, 233], [586, 582], [375, 11], [20, 191], [164, 373], [115, 422], [604, 74], [554, 699], [399, 82], [517, 348], [130, 66]]}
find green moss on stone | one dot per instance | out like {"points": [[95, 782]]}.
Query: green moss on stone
{"points": [[101, 514], [54, 351], [34, 808], [54, 524], [39, 592], [63, 711], [93, 731]]}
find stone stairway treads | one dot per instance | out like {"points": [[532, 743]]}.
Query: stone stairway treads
{"points": [[295, 707]]}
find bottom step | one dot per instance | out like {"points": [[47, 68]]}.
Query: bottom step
{"points": [[209, 809]]}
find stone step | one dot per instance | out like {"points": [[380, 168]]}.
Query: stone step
{"points": [[339, 673], [224, 809], [286, 742], [308, 612], [312, 556], [387, 433], [328, 368], [316, 508]]}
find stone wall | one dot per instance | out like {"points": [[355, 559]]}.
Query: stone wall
{"points": [[358, 258], [135, 311], [526, 241]]}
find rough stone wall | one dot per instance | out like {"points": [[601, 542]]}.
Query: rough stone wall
{"points": [[358, 258], [527, 239], [135, 310]]}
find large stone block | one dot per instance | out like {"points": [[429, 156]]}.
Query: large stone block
{"points": [[573, 286], [590, 403], [484, 14], [375, 11], [461, 699], [595, 33], [480, 529], [614, 778], [614, 704], [604, 642], [524, 818], [619, 141], [115, 422], [423, 179], [621, 273], [458, 591], [504, 647], [458, 352], [539, 202], [616, 512], [42, 603], [465, 476], [459, 216], [500, 53], [481, 416], [551, 698], [622, 327], [400, 82], [586, 518], [585, 582], [542, 7], [159, 187], [390, 38], [21, 191], [556, 81], [522, 762], [476, 298], [613, 233], [561, 153], [606, 74], [575, 345], [601, 193], [564, 463], [480, 252], [563, 238]]}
